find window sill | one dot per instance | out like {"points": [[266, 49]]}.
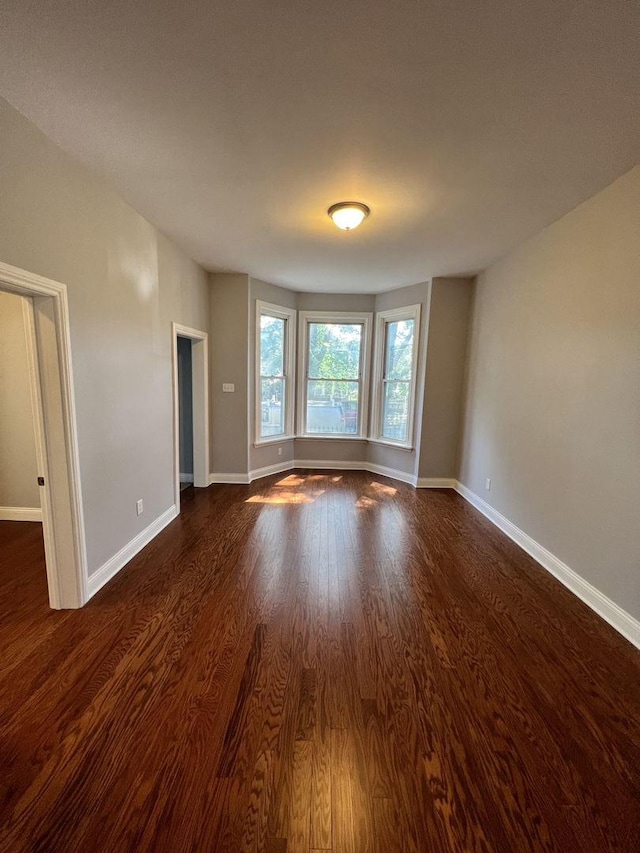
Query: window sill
{"points": [[325, 437], [277, 439], [280, 439], [385, 443]]}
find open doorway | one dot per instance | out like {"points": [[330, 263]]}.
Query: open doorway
{"points": [[185, 411], [23, 577], [190, 408], [19, 491], [48, 355]]}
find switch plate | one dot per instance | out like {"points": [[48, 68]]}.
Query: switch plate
{"points": [[279, 451], [139, 507], [228, 387], [487, 484]]}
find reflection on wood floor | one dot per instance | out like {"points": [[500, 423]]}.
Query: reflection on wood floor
{"points": [[319, 661]]}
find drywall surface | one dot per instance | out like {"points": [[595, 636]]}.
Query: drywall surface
{"points": [[449, 314], [18, 467], [185, 404], [229, 356], [126, 284], [553, 396], [330, 449], [336, 302]]}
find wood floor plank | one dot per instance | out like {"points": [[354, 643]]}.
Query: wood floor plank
{"points": [[318, 661]]}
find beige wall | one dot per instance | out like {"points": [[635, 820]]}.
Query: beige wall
{"points": [[126, 283], [356, 302], [449, 314], [229, 356], [18, 468], [553, 397]]}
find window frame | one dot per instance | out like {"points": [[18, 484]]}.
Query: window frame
{"points": [[383, 319], [289, 315], [342, 317]]}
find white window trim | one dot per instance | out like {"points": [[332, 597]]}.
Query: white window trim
{"points": [[408, 312], [307, 317], [289, 315]]}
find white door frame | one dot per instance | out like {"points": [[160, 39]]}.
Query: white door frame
{"points": [[46, 313], [200, 396]]}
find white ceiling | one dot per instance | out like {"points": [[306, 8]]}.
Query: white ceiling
{"points": [[233, 125]]}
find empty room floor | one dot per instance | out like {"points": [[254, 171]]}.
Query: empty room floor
{"points": [[319, 661]]}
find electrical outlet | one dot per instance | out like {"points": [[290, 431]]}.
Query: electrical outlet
{"points": [[228, 387], [279, 451], [139, 507], [487, 484]]}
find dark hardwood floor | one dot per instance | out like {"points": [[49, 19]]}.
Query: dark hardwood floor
{"points": [[320, 661]]}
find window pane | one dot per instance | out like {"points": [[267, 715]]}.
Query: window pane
{"points": [[272, 404], [395, 411], [334, 350], [271, 346], [332, 407], [399, 350]]}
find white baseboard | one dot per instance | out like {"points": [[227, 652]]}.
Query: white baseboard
{"points": [[328, 465], [186, 478], [241, 479], [20, 513], [339, 465], [100, 577], [612, 613], [267, 470], [318, 464], [436, 483], [394, 473]]}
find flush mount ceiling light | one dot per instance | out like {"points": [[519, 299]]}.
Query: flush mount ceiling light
{"points": [[348, 214]]}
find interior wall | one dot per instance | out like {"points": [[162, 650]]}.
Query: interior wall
{"points": [[18, 466], [126, 284], [229, 361], [356, 302], [450, 310], [553, 398], [185, 406]]}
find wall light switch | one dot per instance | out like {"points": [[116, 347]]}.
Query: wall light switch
{"points": [[487, 484], [139, 507], [228, 386], [279, 451]]}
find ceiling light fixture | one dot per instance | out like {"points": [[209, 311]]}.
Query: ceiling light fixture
{"points": [[348, 214]]}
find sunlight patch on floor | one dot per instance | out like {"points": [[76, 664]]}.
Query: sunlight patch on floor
{"points": [[281, 498], [381, 489], [364, 502], [291, 480]]}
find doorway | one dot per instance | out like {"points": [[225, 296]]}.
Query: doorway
{"points": [[46, 317], [23, 582], [185, 411], [190, 408]]}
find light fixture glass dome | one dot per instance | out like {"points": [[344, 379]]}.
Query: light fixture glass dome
{"points": [[348, 214]]}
